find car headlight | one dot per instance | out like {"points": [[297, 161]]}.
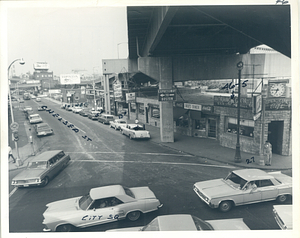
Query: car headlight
{"points": [[38, 180], [14, 182]]}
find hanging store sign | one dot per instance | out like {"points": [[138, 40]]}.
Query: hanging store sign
{"points": [[207, 108], [190, 106], [117, 89], [278, 104], [130, 97]]}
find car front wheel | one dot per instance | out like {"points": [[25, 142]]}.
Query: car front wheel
{"points": [[133, 216], [225, 206], [45, 181], [65, 228], [281, 198]]}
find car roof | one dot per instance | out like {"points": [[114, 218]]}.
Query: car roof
{"points": [[252, 174], [34, 115], [42, 124], [106, 191], [176, 222], [45, 155]]}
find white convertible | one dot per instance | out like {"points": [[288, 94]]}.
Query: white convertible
{"points": [[244, 186], [101, 205], [134, 131]]}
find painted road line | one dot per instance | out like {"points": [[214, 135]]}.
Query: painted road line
{"points": [[13, 191], [153, 162], [131, 153]]}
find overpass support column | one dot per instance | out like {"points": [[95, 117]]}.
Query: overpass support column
{"points": [[166, 107]]}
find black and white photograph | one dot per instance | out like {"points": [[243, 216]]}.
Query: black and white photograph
{"points": [[140, 118]]}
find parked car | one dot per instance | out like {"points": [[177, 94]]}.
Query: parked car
{"points": [[69, 107], [105, 118], [117, 123], [283, 215], [28, 113], [186, 222], [244, 186], [21, 100], [32, 96], [94, 115], [84, 112], [76, 109], [38, 99], [40, 108], [135, 131], [41, 169], [43, 129], [27, 108], [101, 205], [35, 118]]}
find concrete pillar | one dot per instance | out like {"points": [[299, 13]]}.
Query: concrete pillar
{"points": [[107, 94], [166, 107]]}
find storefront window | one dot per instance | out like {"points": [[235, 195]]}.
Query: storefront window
{"points": [[200, 124], [182, 121], [132, 107], [246, 126], [155, 113], [141, 108]]}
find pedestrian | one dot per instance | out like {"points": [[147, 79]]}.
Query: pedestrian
{"points": [[144, 126], [268, 153], [136, 121], [10, 155]]}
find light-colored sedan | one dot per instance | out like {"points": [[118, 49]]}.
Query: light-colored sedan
{"points": [[35, 118], [43, 129], [101, 205], [117, 123], [135, 131], [38, 99], [76, 109], [41, 169], [283, 215], [186, 222], [244, 186]]}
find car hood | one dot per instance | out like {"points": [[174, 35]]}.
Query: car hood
{"points": [[29, 173], [62, 206], [142, 193], [285, 213], [229, 224], [216, 188]]}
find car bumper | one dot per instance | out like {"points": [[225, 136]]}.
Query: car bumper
{"points": [[204, 198], [45, 133], [27, 184]]}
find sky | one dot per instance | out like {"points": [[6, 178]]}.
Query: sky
{"points": [[66, 38]]}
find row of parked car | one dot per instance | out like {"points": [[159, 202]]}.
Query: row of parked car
{"points": [[133, 131]]}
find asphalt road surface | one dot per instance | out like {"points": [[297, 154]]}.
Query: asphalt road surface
{"points": [[102, 156]]}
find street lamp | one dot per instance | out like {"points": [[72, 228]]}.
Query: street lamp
{"points": [[237, 157], [22, 62], [118, 47]]}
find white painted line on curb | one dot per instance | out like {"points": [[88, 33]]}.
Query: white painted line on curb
{"points": [[131, 153], [13, 191], [144, 162]]}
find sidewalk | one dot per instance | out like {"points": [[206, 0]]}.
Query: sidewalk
{"points": [[200, 147]]}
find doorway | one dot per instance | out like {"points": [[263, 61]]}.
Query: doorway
{"points": [[275, 136], [212, 128]]}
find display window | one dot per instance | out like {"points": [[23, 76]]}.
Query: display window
{"points": [[132, 107], [246, 126], [200, 124]]}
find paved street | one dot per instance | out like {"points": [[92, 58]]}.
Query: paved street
{"points": [[111, 158]]}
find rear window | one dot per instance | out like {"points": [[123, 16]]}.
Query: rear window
{"points": [[109, 117], [128, 192]]}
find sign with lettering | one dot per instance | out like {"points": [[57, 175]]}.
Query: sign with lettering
{"points": [[277, 104], [225, 101], [117, 89], [190, 106], [130, 97], [166, 95], [179, 104], [207, 108]]}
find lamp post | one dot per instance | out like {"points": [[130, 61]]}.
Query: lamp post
{"points": [[118, 47], [22, 62], [237, 157]]}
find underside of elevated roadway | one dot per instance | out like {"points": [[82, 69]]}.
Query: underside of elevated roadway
{"points": [[179, 43]]}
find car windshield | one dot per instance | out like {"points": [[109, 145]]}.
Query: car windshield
{"points": [[121, 122], [35, 117], [235, 180], [201, 225], [152, 226], [85, 201], [44, 127], [37, 165], [137, 128]]}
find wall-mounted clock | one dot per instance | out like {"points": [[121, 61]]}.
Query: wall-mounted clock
{"points": [[277, 89]]}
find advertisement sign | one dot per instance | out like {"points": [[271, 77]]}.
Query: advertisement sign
{"points": [[53, 91], [117, 89], [192, 106], [130, 97], [32, 81], [41, 65], [69, 79]]}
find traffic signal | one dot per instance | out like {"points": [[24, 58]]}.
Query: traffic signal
{"points": [[16, 136]]}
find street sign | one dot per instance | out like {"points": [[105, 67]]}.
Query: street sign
{"points": [[14, 126], [166, 95]]}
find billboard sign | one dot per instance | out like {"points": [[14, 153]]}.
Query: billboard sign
{"points": [[41, 65], [117, 89], [69, 79]]}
